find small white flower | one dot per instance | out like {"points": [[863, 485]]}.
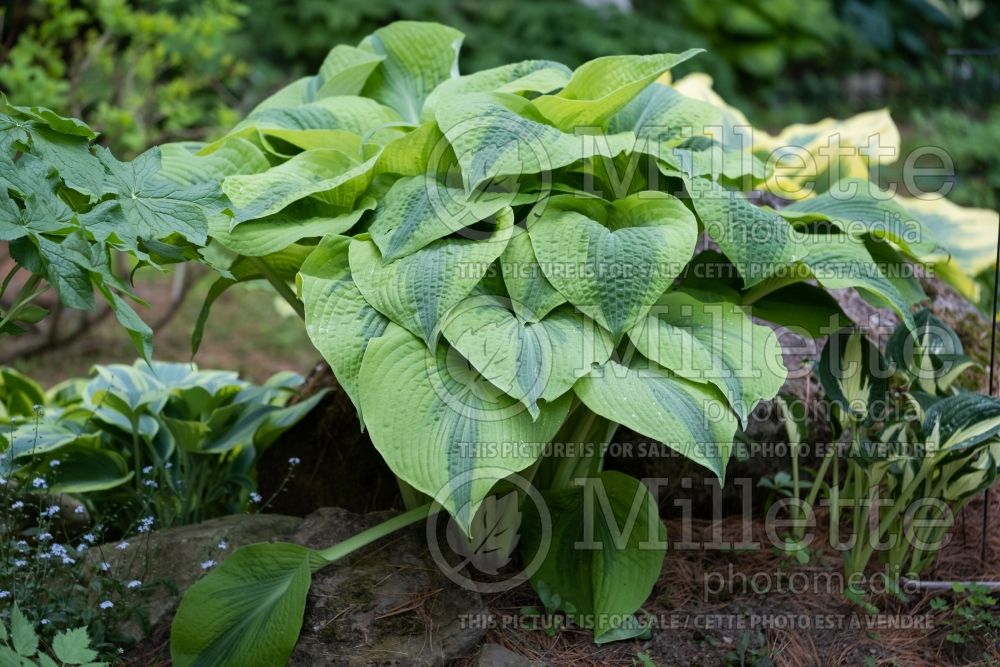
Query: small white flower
{"points": [[151, 483], [22, 545], [39, 483], [79, 509], [132, 585], [255, 497], [121, 546], [223, 545], [50, 511], [45, 537], [54, 463], [147, 470], [89, 538], [17, 504], [168, 466], [294, 461], [45, 621], [145, 524], [4, 595], [208, 564], [68, 561], [107, 604], [20, 562], [3, 481], [105, 566]]}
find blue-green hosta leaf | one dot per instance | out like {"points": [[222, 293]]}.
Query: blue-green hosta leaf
{"points": [[339, 321], [527, 76], [857, 208], [610, 578], [182, 163], [758, 242], [344, 71], [602, 86], [418, 57], [418, 210], [417, 290], [46, 437], [441, 427], [691, 418], [714, 343], [662, 115], [614, 273], [328, 174], [840, 260], [295, 93], [306, 218], [495, 135], [148, 205], [248, 611], [530, 291], [87, 469], [965, 420], [529, 361], [693, 159]]}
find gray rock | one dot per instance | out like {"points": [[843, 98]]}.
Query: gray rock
{"points": [[169, 561], [494, 655], [387, 604]]}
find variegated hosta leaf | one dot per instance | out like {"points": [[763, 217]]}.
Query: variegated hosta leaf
{"points": [[854, 376], [614, 273], [964, 420], [339, 321], [306, 218], [530, 291], [418, 57], [602, 86], [713, 343], [529, 361], [527, 76], [344, 71], [496, 135], [931, 353], [420, 209], [854, 207], [662, 115], [182, 163], [758, 242], [359, 115], [690, 418], [417, 290], [330, 175], [443, 429], [840, 260]]}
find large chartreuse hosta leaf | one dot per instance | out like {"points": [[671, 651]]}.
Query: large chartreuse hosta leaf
{"points": [[691, 418], [183, 163], [662, 115], [857, 207], [297, 124], [713, 343], [602, 86], [339, 321], [417, 290], [607, 580], [460, 434], [528, 76], [497, 135], [529, 361], [614, 272], [757, 241], [418, 57], [328, 174], [420, 209]]}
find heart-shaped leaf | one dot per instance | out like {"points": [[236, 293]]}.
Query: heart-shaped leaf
{"points": [[615, 272], [417, 290], [532, 294], [526, 360], [691, 418], [715, 343], [442, 428]]}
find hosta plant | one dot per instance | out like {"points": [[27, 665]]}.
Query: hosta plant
{"points": [[915, 449], [167, 441], [499, 265]]}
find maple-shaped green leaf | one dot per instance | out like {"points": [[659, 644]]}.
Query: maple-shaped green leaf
{"points": [[148, 205]]}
